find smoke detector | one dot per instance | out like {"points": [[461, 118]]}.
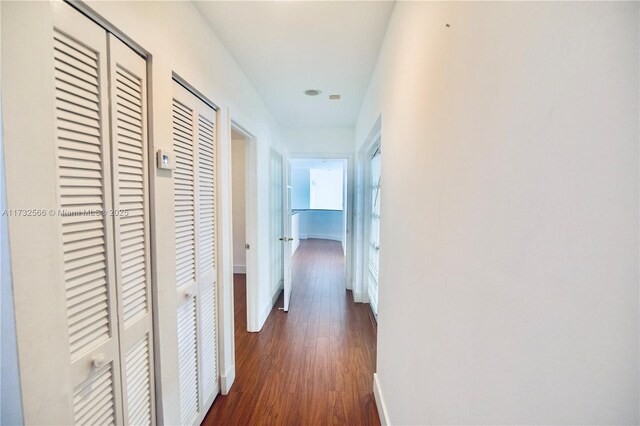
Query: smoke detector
{"points": [[312, 92]]}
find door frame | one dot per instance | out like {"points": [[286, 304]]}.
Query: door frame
{"points": [[349, 186]]}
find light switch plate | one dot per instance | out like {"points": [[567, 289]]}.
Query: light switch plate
{"points": [[164, 159]]}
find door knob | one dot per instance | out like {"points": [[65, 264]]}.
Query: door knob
{"points": [[98, 361]]}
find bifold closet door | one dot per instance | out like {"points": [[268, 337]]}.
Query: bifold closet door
{"points": [[127, 75], [86, 239], [101, 140], [195, 232]]}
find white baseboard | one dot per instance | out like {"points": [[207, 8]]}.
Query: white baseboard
{"points": [[380, 405], [239, 269], [227, 379]]}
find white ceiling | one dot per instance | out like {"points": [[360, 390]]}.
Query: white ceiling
{"points": [[287, 47]]}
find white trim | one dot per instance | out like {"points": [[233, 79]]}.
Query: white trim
{"points": [[380, 404], [227, 379], [226, 323], [239, 269]]}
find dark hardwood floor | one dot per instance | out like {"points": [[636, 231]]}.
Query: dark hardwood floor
{"points": [[311, 366]]}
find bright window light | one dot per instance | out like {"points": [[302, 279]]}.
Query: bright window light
{"points": [[325, 189]]}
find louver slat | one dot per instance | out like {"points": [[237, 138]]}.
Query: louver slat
{"points": [[93, 400], [187, 361], [131, 194], [184, 193], [139, 396], [206, 191], [81, 180]]}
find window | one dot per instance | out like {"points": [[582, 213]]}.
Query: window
{"points": [[325, 189]]}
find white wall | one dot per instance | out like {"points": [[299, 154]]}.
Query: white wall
{"points": [[510, 213], [238, 196], [330, 140], [178, 40]]}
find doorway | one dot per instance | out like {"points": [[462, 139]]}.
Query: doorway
{"points": [[243, 218], [239, 220], [317, 217]]}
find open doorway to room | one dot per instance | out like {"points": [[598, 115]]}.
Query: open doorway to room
{"points": [[240, 156], [318, 225]]}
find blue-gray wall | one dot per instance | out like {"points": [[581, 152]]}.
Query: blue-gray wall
{"points": [[300, 189]]}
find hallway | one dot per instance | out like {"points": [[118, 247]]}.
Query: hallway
{"points": [[312, 365]]}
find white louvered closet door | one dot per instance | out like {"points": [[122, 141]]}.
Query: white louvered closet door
{"points": [[101, 141], [127, 72], [195, 230], [84, 183]]}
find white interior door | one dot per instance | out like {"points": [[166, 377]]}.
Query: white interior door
{"points": [[374, 230], [286, 238], [277, 220], [195, 230]]}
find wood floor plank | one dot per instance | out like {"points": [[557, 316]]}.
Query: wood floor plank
{"points": [[311, 366]]}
